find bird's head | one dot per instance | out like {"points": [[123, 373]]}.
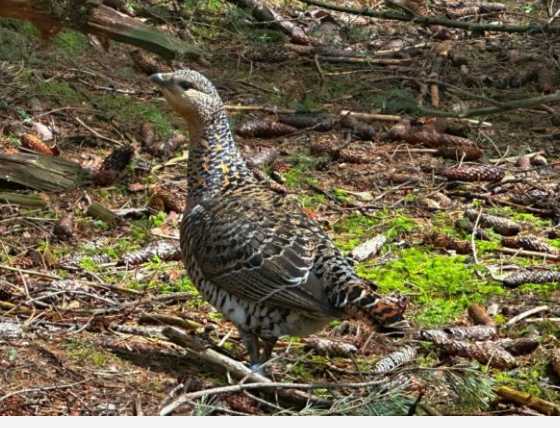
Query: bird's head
{"points": [[190, 94]]}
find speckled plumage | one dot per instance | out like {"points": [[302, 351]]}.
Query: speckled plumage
{"points": [[255, 256]]}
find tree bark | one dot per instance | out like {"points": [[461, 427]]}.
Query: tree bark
{"points": [[91, 16]]}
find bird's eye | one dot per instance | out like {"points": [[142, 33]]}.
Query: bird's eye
{"points": [[185, 85]]}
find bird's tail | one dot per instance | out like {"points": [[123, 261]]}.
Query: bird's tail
{"points": [[354, 296], [358, 299]]}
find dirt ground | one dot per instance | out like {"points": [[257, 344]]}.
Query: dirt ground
{"points": [[81, 312]]}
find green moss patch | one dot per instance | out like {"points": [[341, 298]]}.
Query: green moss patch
{"points": [[127, 110], [442, 286]]}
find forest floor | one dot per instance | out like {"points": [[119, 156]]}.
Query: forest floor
{"points": [[76, 304]]}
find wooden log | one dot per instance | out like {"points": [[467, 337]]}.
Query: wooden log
{"points": [[525, 399], [40, 172], [96, 18], [99, 212], [25, 200]]}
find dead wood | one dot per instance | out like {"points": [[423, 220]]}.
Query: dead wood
{"points": [[236, 369], [525, 399], [98, 19], [369, 248], [40, 172], [170, 320], [102, 213], [434, 20], [262, 157], [262, 12], [26, 200]]}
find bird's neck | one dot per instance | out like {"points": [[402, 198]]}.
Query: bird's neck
{"points": [[215, 163]]}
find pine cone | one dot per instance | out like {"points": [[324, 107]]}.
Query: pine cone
{"points": [[440, 240], [501, 225], [259, 128], [394, 360], [165, 250], [473, 172], [531, 276], [529, 242]]}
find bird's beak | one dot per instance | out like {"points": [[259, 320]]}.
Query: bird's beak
{"points": [[162, 80]]}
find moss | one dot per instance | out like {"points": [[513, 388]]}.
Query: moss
{"points": [[355, 228], [442, 286], [312, 202], [400, 225], [18, 40], [71, 43], [351, 229], [62, 92], [88, 264], [520, 217], [87, 353], [125, 109], [299, 174], [529, 379], [543, 290]]}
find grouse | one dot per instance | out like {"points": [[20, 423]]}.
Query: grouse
{"points": [[252, 253]]}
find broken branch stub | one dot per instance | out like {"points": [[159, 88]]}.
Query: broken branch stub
{"points": [[96, 18]]}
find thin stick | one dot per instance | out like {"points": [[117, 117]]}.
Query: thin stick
{"points": [[97, 134], [518, 252], [42, 388], [260, 385], [473, 234], [30, 272], [526, 314]]}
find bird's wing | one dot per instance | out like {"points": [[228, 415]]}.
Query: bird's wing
{"points": [[255, 252]]}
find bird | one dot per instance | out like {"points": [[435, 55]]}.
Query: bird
{"points": [[251, 252]]}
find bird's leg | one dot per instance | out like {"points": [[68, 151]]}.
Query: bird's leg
{"points": [[251, 342], [268, 346]]}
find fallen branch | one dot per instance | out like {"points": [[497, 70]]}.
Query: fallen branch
{"points": [[526, 314], [434, 20], [236, 369], [95, 18], [517, 252], [525, 399], [262, 12]]}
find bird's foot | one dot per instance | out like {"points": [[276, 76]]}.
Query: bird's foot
{"points": [[258, 368]]}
